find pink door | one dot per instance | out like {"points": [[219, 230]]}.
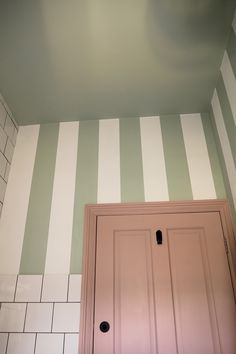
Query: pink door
{"points": [[167, 298]]}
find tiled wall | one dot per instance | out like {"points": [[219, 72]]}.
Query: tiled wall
{"points": [[8, 134], [39, 313], [223, 115]]}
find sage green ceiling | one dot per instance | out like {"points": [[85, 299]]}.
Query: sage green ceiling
{"points": [[86, 59]]}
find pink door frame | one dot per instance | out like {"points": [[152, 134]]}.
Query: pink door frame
{"points": [[92, 212]]}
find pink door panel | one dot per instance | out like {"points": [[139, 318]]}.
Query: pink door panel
{"points": [[171, 298]]}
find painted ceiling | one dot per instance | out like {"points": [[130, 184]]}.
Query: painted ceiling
{"points": [[63, 60]]}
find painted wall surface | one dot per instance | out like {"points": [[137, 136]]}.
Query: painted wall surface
{"points": [[58, 168], [8, 134], [223, 114]]}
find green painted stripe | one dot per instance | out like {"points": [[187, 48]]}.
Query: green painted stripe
{"points": [[131, 169], [178, 178], [228, 116], [213, 156], [37, 223], [86, 186], [224, 170], [231, 50]]}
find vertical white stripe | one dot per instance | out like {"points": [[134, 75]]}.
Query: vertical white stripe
{"points": [[154, 170], [15, 207], [197, 156], [228, 157], [234, 23], [61, 217], [109, 162], [230, 83]]}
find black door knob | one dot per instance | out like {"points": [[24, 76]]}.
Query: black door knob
{"points": [[104, 326]]}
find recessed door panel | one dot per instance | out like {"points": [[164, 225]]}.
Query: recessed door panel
{"points": [[167, 298]]}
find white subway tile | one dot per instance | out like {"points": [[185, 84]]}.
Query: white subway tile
{"points": [[9, 150], [9, 128], [3, 139], [8, 109], [12, 317], [3, 342], [66, 317], [49, 343], [21, 343], [75, 288], [7, 287], [3, 165], [71, 344], [38, 318], [7, 172], [3, 115], [55, 288], [3, 186], [28, 288]]}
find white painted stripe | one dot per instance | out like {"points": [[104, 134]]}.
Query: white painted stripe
{"points": [[154, 170], [61, 216], [197, 156], [230, 83], [234, 23], [15, 207], [109, 162], [228, 157]]}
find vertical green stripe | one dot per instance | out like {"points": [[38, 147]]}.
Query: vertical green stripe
{"points": [[37, 223], [213, 156], [131, 169], [228, 116], [86, 186], [178, 178], [231, 50], [224, 170]]}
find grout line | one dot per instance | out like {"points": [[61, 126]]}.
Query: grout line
{"points": [[8, 335], [36, 337], [41, 292], [4, 150], [68, 286], [52, 316], [14, 299], [64, 339], [26, 310]]}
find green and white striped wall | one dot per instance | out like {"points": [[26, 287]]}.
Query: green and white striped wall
{"points": [[58, 168], [223, 114]]}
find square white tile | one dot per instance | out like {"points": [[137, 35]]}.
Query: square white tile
{"points": [[7, 172], [55, 288], [66, 317], [12, 317], [9, 149], [28, 288], [9, 127], [3, 186], [7, 287], [3, 115], [75, 288], [21, 343], [71, 344], [3, 342], [3, 139], [39, 317], [3, 165], [49, 343]]}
